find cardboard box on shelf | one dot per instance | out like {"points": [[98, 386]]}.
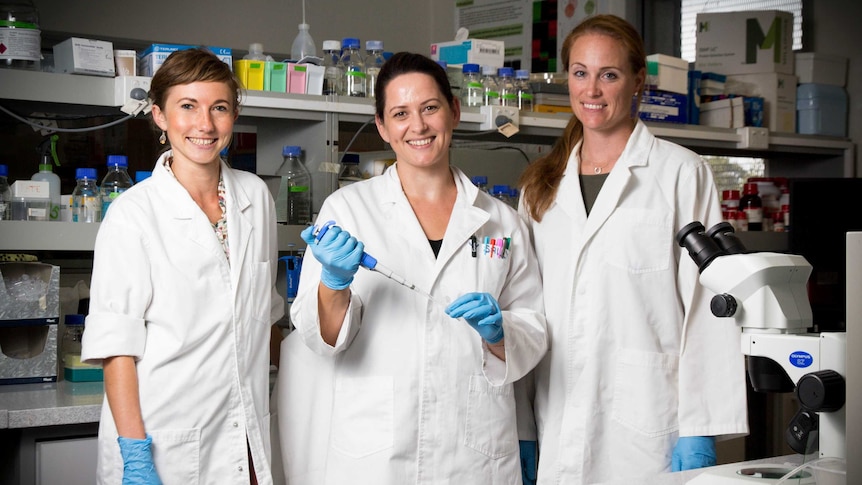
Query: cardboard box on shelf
{"points": [[747, 42], [667, 73], [85, 56], [152, 58], [484, 52], [779, 97], [723, 113], [816, 68], [664, 106]]}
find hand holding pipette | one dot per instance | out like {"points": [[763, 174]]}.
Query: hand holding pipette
{"points": [[338, 252]]}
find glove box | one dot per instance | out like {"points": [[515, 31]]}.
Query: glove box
{"points": [[29, 312]]}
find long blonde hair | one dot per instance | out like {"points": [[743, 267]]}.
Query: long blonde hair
{"points": [[540, 181]]}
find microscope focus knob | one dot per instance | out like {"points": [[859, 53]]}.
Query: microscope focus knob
{"points": [[823, 390], [723, 305]]}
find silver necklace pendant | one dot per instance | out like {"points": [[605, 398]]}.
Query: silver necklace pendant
{"points": [[597, 170]]}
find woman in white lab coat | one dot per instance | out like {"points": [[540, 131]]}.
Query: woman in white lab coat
{"points": [[183, 298], [639, 377], [383, 386]]}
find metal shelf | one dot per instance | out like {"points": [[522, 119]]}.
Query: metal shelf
{"points": [[73, 236]]}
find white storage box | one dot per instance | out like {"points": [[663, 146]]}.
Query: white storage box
{"points": [[723, 113], [471, 51], [779, 97], [745, 42], [84, 56], [812, 67], [667, 73], [152, 58], [821, 110]]}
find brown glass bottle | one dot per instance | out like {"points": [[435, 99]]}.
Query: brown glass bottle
{"points": [[751, 204]]}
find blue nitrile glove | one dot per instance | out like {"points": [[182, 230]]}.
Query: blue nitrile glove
{"points": [[482, 313], [338, 252], [693, 452], [529, 462], [138, 466]]}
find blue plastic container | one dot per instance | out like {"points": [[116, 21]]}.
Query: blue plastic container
{"points": [[821, 109]]}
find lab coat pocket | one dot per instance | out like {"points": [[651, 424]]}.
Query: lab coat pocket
{"points": [[646, 392], [491, 427], [638, 240], [176, 453], [363, 415]]}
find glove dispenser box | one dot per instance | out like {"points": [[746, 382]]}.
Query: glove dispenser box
{"points": [[29, 312]]}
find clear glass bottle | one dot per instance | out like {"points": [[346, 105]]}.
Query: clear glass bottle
{"points": [[525, 91], [20, 35], [303, 45], [333, 70], [506, 82], [86, 200], [350, 172], [293, 204], [373, 62], [5, 194], [354, 69], [472, 92], [490, 88], [116, 181]]}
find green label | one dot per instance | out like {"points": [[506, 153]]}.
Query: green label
{"points": [[299, 188], [18, 25]]}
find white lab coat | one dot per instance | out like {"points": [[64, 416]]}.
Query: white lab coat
{"points": [[163, 292], [408, 395], [636, 358]]}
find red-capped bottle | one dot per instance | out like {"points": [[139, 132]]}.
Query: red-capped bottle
{"points": [[752, 205]]}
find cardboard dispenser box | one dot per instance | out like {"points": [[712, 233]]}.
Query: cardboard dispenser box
{"points": [[745, 42], [29, 312]]}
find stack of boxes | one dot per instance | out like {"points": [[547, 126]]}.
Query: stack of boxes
{"points": [[754, 51]]}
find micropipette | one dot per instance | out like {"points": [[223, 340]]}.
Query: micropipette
{"points": [[370, 263]]}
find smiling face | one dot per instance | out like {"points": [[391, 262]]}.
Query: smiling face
{"points": [[198, 119], [602, 84], [417, 121]]}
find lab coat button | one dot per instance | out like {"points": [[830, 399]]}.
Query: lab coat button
{"points": [[235, 424], [239, 468]]}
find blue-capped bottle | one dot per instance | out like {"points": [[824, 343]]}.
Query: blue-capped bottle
{"points": [[506, 83], [525, 90], [293, 204], [354, 68], [373, 62], [472, 92], [116, 181], [86, 199], [491, 89]]}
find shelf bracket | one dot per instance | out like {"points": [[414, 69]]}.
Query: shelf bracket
{"points": [[752, 137]]}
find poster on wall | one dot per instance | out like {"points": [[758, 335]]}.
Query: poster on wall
{"points": [[507, 20], [572, 12]]}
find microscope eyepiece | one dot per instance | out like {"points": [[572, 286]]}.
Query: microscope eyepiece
{"points": [[724, 235], [701, 247]]}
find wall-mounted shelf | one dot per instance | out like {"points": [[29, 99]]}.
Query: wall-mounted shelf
{"points": [[313, 122], [73, 236]]}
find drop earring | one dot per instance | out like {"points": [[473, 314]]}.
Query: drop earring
{"points": [[163, 139], [634, 108]]}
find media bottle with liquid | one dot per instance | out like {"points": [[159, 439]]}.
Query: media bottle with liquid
{"points": [[752, 205], [506, 83], [373, 62], [116, 181], [472, 92], [490, 87], [525, 91], [333, 71], [86, 199], [353, 83], [293, 205]]}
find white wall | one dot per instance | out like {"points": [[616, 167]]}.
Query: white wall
{"points": [[402, 25]]}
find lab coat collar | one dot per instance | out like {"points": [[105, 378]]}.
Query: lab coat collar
{"points": [[569, 193], [185, 209]]}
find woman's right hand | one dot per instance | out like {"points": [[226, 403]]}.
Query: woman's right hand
{"points": [[138, 466], [338, 252]]}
